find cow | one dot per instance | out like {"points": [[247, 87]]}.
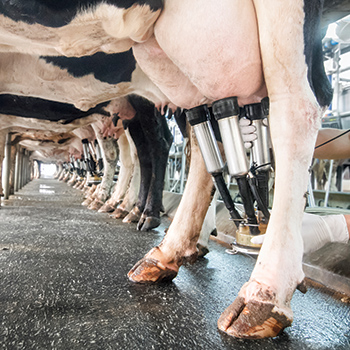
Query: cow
{"points": [[276, 51], [21, 114], [247, 49], [152, 168], [85, 82]]}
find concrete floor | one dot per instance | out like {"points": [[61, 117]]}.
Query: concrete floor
{"points": [[64, 286]]}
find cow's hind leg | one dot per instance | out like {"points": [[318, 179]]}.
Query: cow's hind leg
{"points": [[179, 244], [159, 139], [142, 146], [152, 139], [262, 308]]}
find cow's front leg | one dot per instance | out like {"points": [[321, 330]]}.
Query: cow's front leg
{"points": [[163, 262], [262, 308], [140, 141]]}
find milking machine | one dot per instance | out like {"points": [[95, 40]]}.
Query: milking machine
{"points": [[71, 164], [251, 177], [83, 166], [65, 167], [258, 175], [199, 118], [90, 163], [78, 165], [99, 157]]}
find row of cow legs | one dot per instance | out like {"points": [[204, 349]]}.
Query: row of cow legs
{"points": [[141, 158], [143, 149]]}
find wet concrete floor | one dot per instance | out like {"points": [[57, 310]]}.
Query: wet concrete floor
{"points": [[64, 286]]}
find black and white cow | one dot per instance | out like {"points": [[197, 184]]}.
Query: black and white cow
{"points": [[44, 120], [50, 115], [276, 51], [247, 49], [83, 82]]}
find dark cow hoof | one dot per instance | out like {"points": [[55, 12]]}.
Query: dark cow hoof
{"points": [[120, 213], [147, 223], [190, 259], [202, 251], [106, 208], [133, 216], [253, 320], [95, 205], [151, 270]]}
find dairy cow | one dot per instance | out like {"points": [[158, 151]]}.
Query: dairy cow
{"points": [[48, 122], [85, 82], [152, 169], [247, 49]]}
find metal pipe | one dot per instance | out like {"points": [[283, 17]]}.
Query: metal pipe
{"points": [[20, 174], [326, 198], [336, 87], [183, 166], [7, 166], [23, 168], [17, 166], [199, 118]]}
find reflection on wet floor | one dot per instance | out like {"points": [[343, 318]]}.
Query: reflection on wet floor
{"points": [[64, 286], [46, 189]]}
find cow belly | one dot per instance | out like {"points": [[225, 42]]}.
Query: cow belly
{"points": [[215, 43], [103, 27]]}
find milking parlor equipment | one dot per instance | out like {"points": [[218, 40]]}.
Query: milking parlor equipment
{"points": [[251, 177], [79, 167], [94, 170]]}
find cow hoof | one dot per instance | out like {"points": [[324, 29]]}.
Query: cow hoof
{"points": [[190, 259], [202, 251], [254, 319], [95, 205], [133, 216], [147, 223], [87, 202], [120, 213], [152, 270], [106, 208]]}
